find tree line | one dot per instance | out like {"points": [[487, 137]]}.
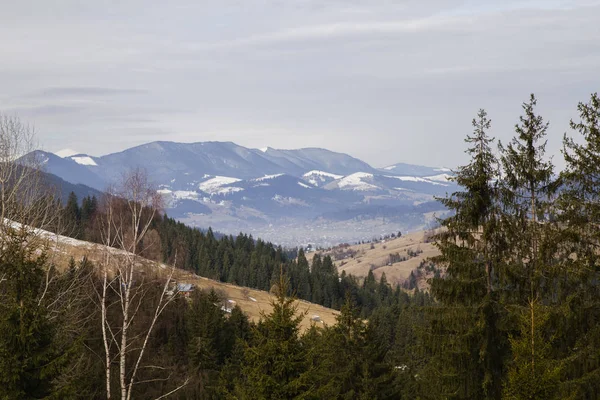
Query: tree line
{"points": [[241, 260]]}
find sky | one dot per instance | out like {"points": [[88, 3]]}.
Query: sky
{"points": [[386, 81]]}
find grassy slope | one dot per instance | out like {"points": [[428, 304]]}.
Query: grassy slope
{"points": [[252, 302], [365, 257]]}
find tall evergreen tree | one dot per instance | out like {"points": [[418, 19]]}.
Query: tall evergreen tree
{"points": [[72, 216], [464, 332], [275, 363], [303, 276], [527, 194], [28, 360], [579, 292]]}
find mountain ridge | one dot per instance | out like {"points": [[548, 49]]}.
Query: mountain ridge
{"points": [[285, 196]]}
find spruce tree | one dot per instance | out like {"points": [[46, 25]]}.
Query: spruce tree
{"points": [[72, 216], [275, 363], [527, 193], [302, 277], [464, 335], [578, 290], [28, 360]]}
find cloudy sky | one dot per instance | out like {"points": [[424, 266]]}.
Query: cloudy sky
{"points": [[384, 80]]}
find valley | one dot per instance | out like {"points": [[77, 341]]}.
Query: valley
{"points": [[290, 197]]}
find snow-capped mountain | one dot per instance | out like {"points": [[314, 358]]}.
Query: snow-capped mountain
{"points": [[320, 178], [268, 191]]}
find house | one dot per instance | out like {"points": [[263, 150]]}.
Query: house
{"points": [[229, 307], [185, 289]]}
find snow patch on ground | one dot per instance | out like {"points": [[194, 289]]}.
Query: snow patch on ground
{"points": [[84, 160]]}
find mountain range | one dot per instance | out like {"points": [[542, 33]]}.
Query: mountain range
{"points": [[291, 197]]}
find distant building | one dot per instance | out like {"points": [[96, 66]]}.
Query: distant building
{"points": [[185, 289]]}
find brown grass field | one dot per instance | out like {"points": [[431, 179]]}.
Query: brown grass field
{"points": [[253, 302], [377, 258]]}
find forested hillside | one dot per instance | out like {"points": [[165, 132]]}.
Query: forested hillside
{"points": [[512, 310], [241, 260]]}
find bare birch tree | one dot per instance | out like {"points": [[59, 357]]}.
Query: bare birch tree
{"points": [[29, 206], [25, 196], [128, 211]]}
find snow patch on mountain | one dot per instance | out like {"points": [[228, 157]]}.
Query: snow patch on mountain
{"points": [[186, 194], [443, 169], [228, 190], [356, 182], [304, 185], [440, 177], [320, 178], [267, 177], [84, 160], [416, 179], [321, 173], [289, 201], [215, 185]]}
